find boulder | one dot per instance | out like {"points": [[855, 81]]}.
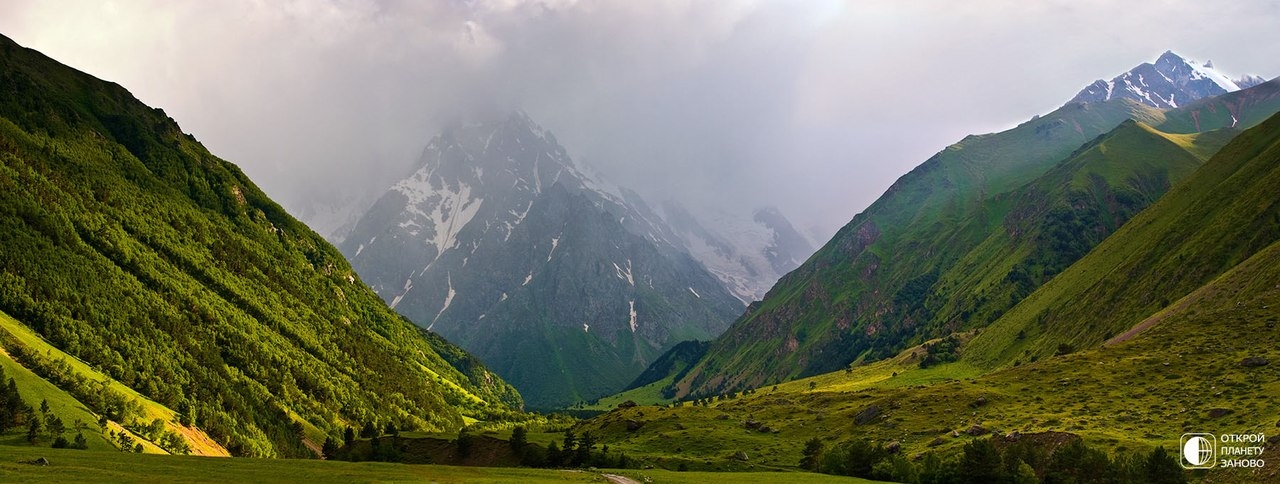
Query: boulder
{"points": [[976, 430], [1254, 361], [1219, 412], [867, 415], [627, 404], [893, 447], [740, 455], [633, 425]]}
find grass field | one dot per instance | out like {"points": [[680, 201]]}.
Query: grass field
{"points": [[674, 477], [89, 466]]}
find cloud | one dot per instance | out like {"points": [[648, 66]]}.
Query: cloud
{"points": [[812, 106]]}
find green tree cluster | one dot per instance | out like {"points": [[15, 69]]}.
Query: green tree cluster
{"points": [[982, 462]]}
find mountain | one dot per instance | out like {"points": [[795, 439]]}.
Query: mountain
{"points": [[1042, 376], [1219, 218], [165, 289], [1247, 107], [336, 215], [962, 238], [1249, 80], [1170, 82], [565, 286], [672, 364], [747, 254]]}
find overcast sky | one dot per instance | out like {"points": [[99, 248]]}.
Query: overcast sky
{"points": [[815, 107]]}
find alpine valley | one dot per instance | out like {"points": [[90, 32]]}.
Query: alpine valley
{"points": [[1057, 302], [1045, 289]]}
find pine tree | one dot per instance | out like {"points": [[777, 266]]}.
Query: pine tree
{"points": [[56, 427], [981, 462], [570, 441], [33, 430], [582, 456], [519, 438], [554, 456], [1162, 468], [330, 448], [812, 454]]}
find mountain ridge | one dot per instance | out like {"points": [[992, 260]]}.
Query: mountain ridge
{"points": [[860, 297], [1168, 83], [131, 247], [565, 285]]}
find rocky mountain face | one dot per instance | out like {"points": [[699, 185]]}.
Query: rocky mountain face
{"points": [[1170, 82], [565, 286], [748, 254]]}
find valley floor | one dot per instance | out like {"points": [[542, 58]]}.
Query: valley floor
{"points": [[118, 467]]}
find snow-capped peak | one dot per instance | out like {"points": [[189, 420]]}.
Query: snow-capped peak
{"points": [[1171, 62], [1249, 80], [1171, 81]]}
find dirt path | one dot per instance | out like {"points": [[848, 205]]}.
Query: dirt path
{"points": [[617, 479]]}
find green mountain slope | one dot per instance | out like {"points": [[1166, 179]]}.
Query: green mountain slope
{"points": [[129, 246], [672, 364], [1053, 221], [1241, 108], [1203, 362], [955, 243], [1223, 214]]}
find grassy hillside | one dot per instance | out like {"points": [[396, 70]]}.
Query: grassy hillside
{"points": [[1132, 396], [131, 248], [1212, 245], [956, 243], [1241, 108], [1223, 214], [23, 349]]}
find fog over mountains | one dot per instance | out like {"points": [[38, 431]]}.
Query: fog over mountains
{"points": [[567, 285], [747, 104]]}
